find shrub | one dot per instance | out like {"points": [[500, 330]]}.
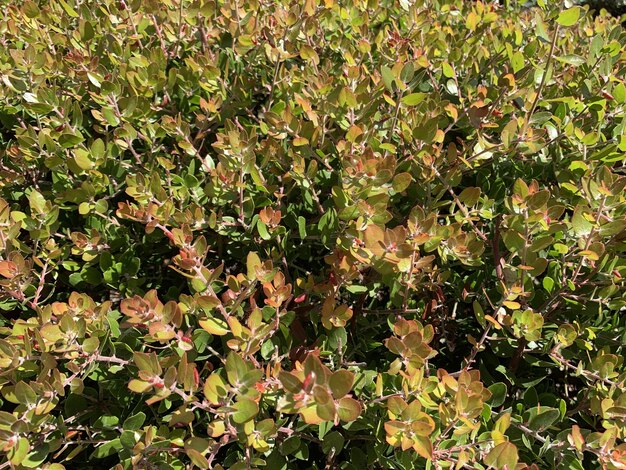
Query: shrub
{"points": [[357, 234]]}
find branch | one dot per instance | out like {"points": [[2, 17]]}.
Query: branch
{"points": [[42, 282], [542, 84], [112, 359], [554, 354]]}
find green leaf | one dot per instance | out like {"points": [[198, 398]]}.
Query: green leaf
{"points": [[36, 457], [471, 20], [348, 409], [81, 158], [541, 418], [571, 59], [612, 228], [469, 196], [580, 224], [401, 182], [262, 229], [134, 422], [245, 410], [290, 445], [539, 200], [498, 394], [356, 289], [197, 443], [501, 456], [566, 334], [479, 313], [251, 377], [114, 326], [253, 262], [208, 302], [340, 383], [215, 326], [107, 422], [215, 389], [548, 284], [90, 345], [333, 443], [68, 9], [569, 17], [408, 71], [236, 368], [291, 383], [514, 241], [520, 188], [37, 202], [94, 79], [97, 148], [197, 458], [302, 227], [139, 386], [128, 440], [110, 116], [19, 451], [518, 61], [147, 362], [25, 393], [67, 139], [388, 77], [414, 99], [107, 449], [31, 9], [308, 53], [619, 93]]}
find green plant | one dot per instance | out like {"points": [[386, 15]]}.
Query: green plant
{"points": [[320, 234]]}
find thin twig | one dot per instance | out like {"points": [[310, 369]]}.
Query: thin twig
{"points": [[42, 283], [405, 302], [179, 44], [585, 373], [544, 78]]}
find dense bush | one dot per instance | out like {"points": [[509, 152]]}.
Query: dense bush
{"points": [[356, 234]]}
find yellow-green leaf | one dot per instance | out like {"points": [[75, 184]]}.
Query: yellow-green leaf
{"points": [[215, 326]]}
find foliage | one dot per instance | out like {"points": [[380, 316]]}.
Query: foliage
{"points": [[318, 234], [614, 7]]}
